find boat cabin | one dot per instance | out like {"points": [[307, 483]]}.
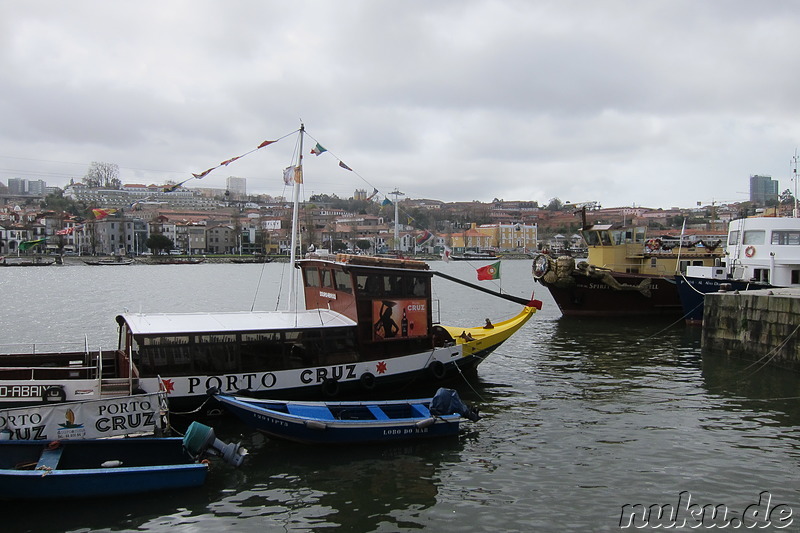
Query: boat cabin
{"points": [[628, 249], [357, 309], [389, 299]]}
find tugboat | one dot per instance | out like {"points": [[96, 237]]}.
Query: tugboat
{"points": [[626, 273]]}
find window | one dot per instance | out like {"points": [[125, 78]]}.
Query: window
{"points": [[326, 278], [733, 238], [343, 281], [786, 237], [755, 236], [312, 277]]}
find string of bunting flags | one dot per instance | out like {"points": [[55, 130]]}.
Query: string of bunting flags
{"points": [[292, 174]]}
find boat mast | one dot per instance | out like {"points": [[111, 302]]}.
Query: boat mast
{"points": [[298, 173], [794, 160], [396, 194]]}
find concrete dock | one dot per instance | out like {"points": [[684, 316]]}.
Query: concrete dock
{"points": [[761, 325]]}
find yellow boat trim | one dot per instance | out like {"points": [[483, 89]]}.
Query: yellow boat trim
{"points": [[485, 338]]}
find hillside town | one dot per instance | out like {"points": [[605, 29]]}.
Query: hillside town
{"points": [[103, 216]]}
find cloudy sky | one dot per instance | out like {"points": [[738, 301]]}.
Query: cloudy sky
{"points": [[657, 103]]}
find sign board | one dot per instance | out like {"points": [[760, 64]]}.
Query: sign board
{"points": [[90, 419]]}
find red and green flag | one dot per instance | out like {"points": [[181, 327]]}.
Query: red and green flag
{"points": [[489, 272], [100, 214]]}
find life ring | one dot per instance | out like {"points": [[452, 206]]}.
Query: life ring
{"points": [[330, 387], [541, 265], [54, 394], [652, 245], [367, 380], [750, 251], [437, 369]]}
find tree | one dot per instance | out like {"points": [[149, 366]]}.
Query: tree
{"points": [[103, 175], [554, 205], [159, 243], [363, 245]]}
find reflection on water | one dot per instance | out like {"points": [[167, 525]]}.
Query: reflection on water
{"points": [[580, 418]]}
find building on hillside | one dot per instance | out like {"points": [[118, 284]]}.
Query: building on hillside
{"points": [[237, 187], [222, 239], [517, 237], [24, 187]]}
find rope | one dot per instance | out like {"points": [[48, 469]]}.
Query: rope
{"points": [[195, 410]]}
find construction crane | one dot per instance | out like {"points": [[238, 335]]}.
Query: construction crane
{"points": [[581, 208]]}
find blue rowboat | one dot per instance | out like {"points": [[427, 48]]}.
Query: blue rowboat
{"points": [[349, 422], [88, 468]]}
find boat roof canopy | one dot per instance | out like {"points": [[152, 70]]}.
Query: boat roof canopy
{"points": [[197, 323], [598, 227]]}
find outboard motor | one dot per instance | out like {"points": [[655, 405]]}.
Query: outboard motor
{"points": [[200, 439], [448, 402]]}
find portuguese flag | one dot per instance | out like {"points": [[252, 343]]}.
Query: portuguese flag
{"points": [[489, 271]]}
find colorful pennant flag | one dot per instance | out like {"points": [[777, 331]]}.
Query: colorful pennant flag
{"points": [[341, 164], [446, 254], [423, 238], [203, 174], [489, 272], [229, 161], [318, 149], [288, 175], [265, 143], [298, 174]]}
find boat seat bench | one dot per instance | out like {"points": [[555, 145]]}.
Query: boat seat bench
{"points": [[377, 412], [310, 411], [49, 458]]}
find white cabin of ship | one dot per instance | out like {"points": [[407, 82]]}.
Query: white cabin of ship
{"points": [[764, 249]]}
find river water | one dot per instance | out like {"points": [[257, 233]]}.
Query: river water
{"points": [[580, 418]]}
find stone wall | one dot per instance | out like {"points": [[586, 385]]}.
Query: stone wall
{"points": [[762, 325]]}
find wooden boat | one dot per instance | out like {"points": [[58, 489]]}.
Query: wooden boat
{"points": [[762, 252], [248, 260], [367, 326], [352, 422], [626, 274], [23, 262], [178, 260], [56, 470], [474, 256], [111, 261]]}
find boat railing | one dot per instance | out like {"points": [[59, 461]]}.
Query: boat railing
{"points": [[42, 347], [436, 311], [72, 371], [637, 268]]}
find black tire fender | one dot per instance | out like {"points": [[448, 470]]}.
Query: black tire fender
{"points": [[330, 387], [437, 369], [367, 380]]}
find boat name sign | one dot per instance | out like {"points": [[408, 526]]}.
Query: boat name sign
{"points": [[258, 381], [87, 419]]}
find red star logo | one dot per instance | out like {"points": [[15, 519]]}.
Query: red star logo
{"points": [[381, 367], [169, 385]]}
